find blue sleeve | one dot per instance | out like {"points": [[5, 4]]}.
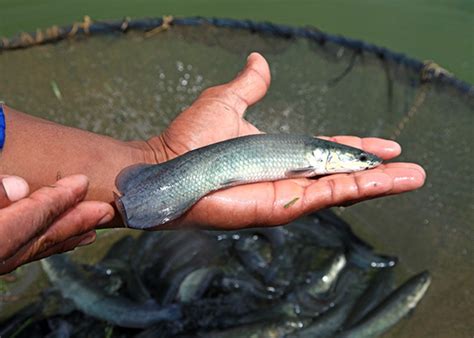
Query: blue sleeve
{"points": [[2, 126]]}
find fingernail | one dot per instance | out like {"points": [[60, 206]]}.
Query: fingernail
{"points": [[88, 239], [422, 171], [15, 187], [393, 147], [250, 56], [107, 218]]}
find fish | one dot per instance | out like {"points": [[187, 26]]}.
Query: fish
{"points": [[392, 309], [195, 284], [325, 229], [381, 285], [350, 286], [89, 299], [275, 328], [152, 195], [321, 281]]}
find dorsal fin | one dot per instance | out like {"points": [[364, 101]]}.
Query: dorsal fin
{"points": [[125, 178]]}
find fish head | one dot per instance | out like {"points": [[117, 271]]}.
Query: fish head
{"points": [[337, 158]]}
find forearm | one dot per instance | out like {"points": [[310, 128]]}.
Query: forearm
{"points": [[42, 151]]}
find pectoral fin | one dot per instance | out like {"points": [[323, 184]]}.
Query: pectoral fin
{"points": [[300, 172], [233, 181]]}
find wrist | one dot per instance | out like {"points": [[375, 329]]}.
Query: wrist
{"points": [[157, 151]]}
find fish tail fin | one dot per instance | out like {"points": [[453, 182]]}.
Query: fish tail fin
{"points": [[121, 209], [129, 176]]}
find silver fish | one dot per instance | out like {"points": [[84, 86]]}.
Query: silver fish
{"points": [[392, 309], [156, 194], [93, 301]]}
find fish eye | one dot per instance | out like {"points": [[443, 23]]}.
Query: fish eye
{"points": [[363, 157]]}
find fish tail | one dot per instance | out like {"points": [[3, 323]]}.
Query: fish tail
{"points": [[121, 209]]}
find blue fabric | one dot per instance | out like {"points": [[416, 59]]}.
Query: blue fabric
{"points": [[2, 126]]}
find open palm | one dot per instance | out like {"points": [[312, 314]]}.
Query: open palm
{"points": [[217, 115]]}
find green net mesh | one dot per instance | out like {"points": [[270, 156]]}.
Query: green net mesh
{"points": [[130, 86]]}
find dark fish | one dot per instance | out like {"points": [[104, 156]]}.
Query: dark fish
{"points": [[381, 285], [277, 328], [59, 329], [325, 229], [246, 285], [249, 251], [321, 282], [156, 194], [392, 309], [91, 300], [196, 283], [326, 323]]}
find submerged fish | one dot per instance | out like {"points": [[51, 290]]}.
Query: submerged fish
{"points": [[381, 285], [325, 229], [88, 298], [320, 282], [156, 194], [392, 309]]}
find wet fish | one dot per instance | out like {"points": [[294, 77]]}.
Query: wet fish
{"points": [[321, 282], [350, 287], [327, 230], [392, 309], [246, 285], [276, 328], [156, 194], [196, 283], [92, 301], [381, 285]]}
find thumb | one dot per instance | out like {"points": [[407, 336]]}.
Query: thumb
{"points": [[12, 189], [247, 88]]}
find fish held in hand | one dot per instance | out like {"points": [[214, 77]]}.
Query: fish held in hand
{"points": [[156, 194]]}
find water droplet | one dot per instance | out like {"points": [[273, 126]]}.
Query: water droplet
{"points": [[297, 309], [271, 289]]}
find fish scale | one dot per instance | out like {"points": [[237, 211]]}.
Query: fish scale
{"points": [[155, 194]]}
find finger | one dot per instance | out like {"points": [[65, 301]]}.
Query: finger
{"points": [[82, 218], [385, 149], [30, 216], [68, 245], [25, 255], [393, 178], [247, 88], [275, 203], [12, 189]]}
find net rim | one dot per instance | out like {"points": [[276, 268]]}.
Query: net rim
{"points": [[428, 70]]}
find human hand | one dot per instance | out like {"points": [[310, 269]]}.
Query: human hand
{"points": [[217, 115], [51, 220]]}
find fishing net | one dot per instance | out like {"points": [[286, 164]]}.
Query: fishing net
{"points": [[130, 86]]}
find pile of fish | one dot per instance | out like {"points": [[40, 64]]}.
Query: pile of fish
{"points": [[311, 278]]}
